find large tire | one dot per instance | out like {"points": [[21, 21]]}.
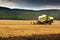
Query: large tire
{"points": [[50, 22], [41, 23]]}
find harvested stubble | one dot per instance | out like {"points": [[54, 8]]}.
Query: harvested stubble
{"points": [[10, 28]]}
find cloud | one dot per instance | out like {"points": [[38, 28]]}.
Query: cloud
{"points": [[31, 4], [49, 7], [7, 3]]}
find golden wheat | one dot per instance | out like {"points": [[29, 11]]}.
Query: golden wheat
{"points": [[25, 28]]}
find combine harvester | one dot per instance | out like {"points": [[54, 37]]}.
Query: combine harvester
{"points": [[44, 19]]}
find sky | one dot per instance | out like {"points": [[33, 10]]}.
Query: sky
{"points": [[31, 4]]}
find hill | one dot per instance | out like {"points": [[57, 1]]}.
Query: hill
{"points": [[21, 14]]}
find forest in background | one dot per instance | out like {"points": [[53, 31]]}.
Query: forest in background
{"points": [[22, 14]]}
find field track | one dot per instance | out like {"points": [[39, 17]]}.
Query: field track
{"points": [[25, 28]]}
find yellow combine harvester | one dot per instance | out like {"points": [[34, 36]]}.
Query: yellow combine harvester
{"points": [[44, 19]]}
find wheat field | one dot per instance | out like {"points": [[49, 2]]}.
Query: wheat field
{"points": [[25, 28]]}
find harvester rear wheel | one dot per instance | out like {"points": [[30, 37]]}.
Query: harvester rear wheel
{"points": [[50, 22]]}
